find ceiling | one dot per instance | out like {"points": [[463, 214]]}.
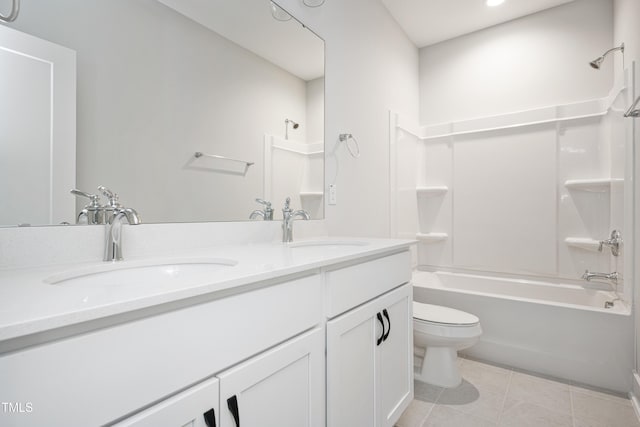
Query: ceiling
{"points": [[249, 23], [427, 22]]}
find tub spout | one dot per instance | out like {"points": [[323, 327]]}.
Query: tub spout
{"points": [[588, 276]]}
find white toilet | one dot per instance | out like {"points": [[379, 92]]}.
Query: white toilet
{"points": [[442, 331]]}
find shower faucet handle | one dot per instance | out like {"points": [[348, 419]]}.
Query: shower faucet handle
{"points": [[614, 243]]}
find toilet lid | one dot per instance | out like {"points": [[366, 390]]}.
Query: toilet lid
{"points": [[438, 314]]}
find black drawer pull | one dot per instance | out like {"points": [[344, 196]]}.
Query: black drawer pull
{"points": [[210, 418], [386, 314], [379, 341], [232, 403]]}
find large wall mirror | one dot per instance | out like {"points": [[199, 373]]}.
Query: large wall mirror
{"points": [[156, 81]]}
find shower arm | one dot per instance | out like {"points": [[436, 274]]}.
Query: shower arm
{"points": [[613, 49], [15, 9]]}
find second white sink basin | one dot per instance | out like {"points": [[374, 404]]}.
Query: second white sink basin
{"points": [[178, 271]]}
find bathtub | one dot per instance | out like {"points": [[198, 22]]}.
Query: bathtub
{"points": [[558, 330]]}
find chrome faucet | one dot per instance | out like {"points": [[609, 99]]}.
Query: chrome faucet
{"points": [[288, 216], [614, 243], [266, 214], [588, 276], [113, 240]]}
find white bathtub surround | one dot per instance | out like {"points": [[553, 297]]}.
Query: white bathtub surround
{"points": [[526, 211], [558, 330]]}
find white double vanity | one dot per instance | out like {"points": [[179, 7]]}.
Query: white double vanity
{"points": [[312, 333]]}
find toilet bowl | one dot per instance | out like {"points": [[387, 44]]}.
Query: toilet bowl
{"points": [[441, 332]]}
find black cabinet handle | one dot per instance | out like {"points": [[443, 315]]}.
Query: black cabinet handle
{"points": [[382, 323], [210, 418], [232, 404], [386, 314]]}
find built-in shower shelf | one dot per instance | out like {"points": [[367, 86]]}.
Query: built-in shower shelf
{"points": [[431, 190], [596, 185], [582, 243], [311, 194], [431, 237]]}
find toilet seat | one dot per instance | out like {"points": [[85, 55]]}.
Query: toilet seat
{"points": [[438, 315]]}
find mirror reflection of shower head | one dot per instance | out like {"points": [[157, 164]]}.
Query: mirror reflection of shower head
{"points": [[598, 61], [286, 127]]}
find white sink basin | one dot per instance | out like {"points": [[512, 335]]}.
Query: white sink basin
{"points": [[178, 271]]}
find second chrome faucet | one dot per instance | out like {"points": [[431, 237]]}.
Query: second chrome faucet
{"points": [[288, 217]]}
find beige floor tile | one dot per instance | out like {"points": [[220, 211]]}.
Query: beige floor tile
{"points": [[442, 416], [485, 377], [542, 392], [524, 414], [466, 398], [415, 414], [591, 410], [426, 392]]}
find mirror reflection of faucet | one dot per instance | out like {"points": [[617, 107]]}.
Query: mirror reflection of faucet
{"points": [[266, 214], [288, 216], [92, 212], [95, 214]]}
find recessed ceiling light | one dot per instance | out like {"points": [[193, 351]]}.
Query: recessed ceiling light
{"points": [[492, 3]]}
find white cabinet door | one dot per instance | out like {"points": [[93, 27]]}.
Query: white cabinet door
{"points": [[195, 407], [281, 387], [394, 383], [351, 364], [369, 366]]}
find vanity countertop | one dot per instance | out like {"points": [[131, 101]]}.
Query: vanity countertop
{"points": [[29, 305]]}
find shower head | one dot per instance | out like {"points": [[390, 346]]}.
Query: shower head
{"points": [[294, 124], [286, 127], [598, 61]]}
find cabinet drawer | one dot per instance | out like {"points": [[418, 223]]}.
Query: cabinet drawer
{"points": [[351, 286], [98, 377], [184, 409]]}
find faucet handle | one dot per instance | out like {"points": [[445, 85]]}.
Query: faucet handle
{"points": [[113, 197], [264, 202], [286, 204], [93, 198]]}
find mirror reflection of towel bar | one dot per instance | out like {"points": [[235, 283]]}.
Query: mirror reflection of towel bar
{"points": [[15, 10], [246, 164]]}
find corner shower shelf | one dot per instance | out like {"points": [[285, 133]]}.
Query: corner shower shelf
{"points": [[431, 237], [597, 185], [582, 243], [431, 190]]}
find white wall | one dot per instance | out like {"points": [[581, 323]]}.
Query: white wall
{"points": [[371, 68], [532, 62], [183, 89]]}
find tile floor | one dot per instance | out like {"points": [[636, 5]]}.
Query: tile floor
{"points": [[494, 396]]}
